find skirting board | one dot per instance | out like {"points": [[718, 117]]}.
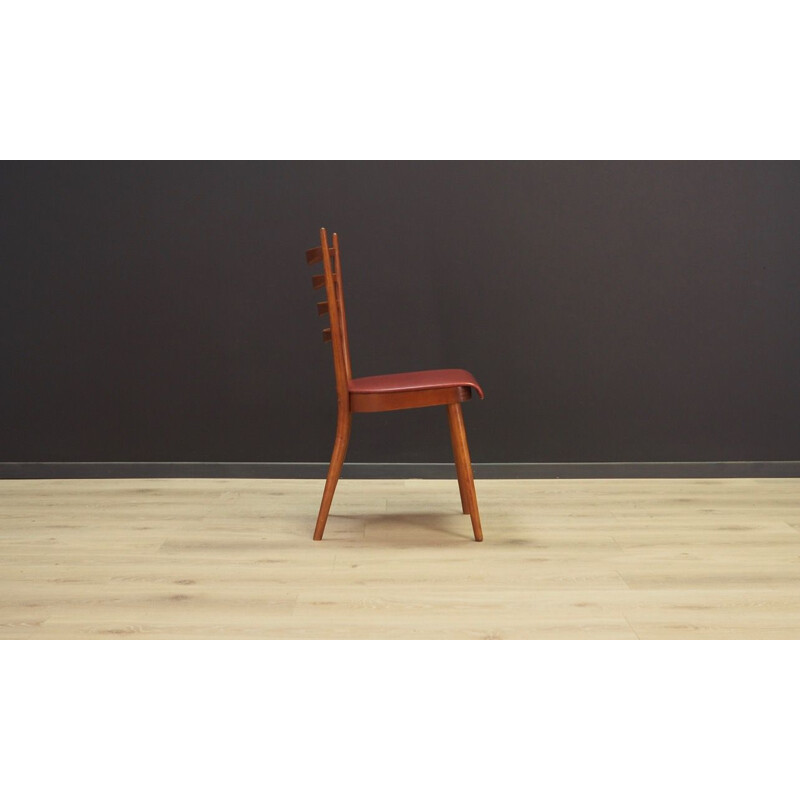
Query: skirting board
{"points": [[298, 469]]}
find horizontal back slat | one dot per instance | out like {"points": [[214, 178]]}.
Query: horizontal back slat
{"points": [[314, 255], [318, 281]]}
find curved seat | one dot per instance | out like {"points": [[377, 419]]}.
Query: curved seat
{"points": [[415, 381]]}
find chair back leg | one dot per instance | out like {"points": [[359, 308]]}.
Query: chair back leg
{"points": [[343, 426]]}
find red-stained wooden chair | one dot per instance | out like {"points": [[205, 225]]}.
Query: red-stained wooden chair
{"points": [[440, 387]]}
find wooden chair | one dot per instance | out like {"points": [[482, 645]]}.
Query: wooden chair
{"points": [[444, 387]]}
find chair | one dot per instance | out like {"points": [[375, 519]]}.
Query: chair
{"points": [[444, 387]]}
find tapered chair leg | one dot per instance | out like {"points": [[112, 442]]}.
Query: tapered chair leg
{"points": [[462, 478], [461, 454], [334, 470]]}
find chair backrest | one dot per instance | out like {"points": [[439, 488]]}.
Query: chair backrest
{"points": [[333, 306]]}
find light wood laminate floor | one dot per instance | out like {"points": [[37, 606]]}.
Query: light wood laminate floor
{"points": [[229, 558]]}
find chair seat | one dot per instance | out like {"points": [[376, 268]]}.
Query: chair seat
{"points": [[414, 381]]}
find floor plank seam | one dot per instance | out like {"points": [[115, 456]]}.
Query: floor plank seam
{"points": [[630, 625], [622, 578]]}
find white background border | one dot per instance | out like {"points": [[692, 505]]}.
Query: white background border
{"points": [[416, 80]]}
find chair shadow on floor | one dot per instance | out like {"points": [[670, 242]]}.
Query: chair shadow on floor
{"points": [[401, 530]]}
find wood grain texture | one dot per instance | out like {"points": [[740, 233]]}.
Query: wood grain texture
{"points": [[227, 558]]}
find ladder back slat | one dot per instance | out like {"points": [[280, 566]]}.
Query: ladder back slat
{"points": [[318, 281], [314, 255]]}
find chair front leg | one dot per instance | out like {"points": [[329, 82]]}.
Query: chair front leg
{"points": [[459, 462], [465, 480]]}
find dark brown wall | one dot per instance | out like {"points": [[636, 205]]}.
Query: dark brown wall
{"points": [[612, 311]]}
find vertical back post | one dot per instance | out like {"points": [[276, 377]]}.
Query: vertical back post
{"points": [[333, 292]]}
